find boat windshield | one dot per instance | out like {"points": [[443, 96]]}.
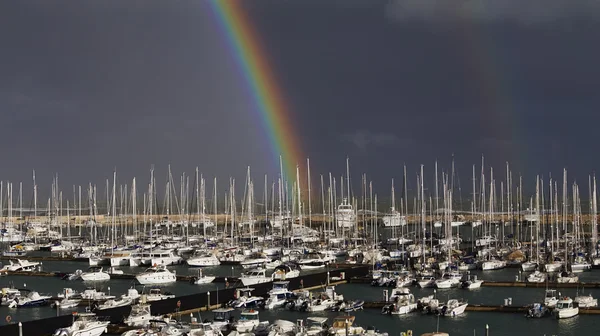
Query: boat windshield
{"points": [[248, 316]]}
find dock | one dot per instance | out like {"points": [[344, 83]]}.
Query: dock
{"points": [[519, 284]]}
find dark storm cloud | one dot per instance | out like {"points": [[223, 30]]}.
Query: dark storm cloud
{"points": [[88, 86], [527, 12]]}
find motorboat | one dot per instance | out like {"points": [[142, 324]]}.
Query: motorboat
{"points": [[449, 280], [471, 282], [245, 299], [426, 282], [162, 257], [565, 308], [550, 298], [32, 299], [139, 316], [580, 265], [537, 277], [202, 278], [84, 324], [256, 262], [8, 295], [492, 265], [113, 303], [94, 273], [315, 325], [348, 306], [204, 329], [156, 275], [585, 301], [132, 294], [203, 260], [344, 325], [286, 271], [393, 219], [67, 303], [537, 310], [279, 295], [566, 277], [94, 295], [529, 266], [324, 301], [402, 302], [20, 265], [554, 266], [156, 294], [311, 261], [345, 216], [452, 308], [248, 321], [254, 277], [223, 318]]}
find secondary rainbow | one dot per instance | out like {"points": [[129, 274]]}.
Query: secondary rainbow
{"points": [[261, 82]]}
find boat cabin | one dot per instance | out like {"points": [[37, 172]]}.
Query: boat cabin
{"points": [[223, 314]]}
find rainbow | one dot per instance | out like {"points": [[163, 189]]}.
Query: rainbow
{"points": [[269, 101]]}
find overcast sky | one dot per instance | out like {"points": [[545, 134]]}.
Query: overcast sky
{"points": [[87, 86]]}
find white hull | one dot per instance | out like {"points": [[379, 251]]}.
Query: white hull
{"points": [[406, 309], [203, 262], [457, 311], [253, 281], [567, 313], [554, 267], [95, 330], [96, 276], [204, 280], [528, 266], [119, 261], [288, 275]]}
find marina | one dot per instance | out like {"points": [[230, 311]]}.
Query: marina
{"points": [[351, 260]]}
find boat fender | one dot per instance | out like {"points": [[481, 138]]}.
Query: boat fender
{"points": [[409, 333], [8, 318], [403, 334]]}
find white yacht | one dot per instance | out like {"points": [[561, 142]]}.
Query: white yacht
{"points": [[426, 282], [491, 265], [113, 303], [84, 324], [155, 294], [257, 262], [566, 277], [20, 265], [550, 298], [286, 271], [453, 308], [156, 276], [580, 265], [32, 299], [163, 257], [245, 299], [255, 277], [279, 295], [343, 325], [248, 321], [202, 278], [140, 315], [393, 219], [203, 260], [586, 301], [345, 215], [565, 308], [537, 277], [402, 302], [311, 261], [529, 266], [95, 274], [449, 280], [554, 266]]}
